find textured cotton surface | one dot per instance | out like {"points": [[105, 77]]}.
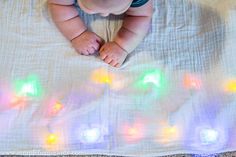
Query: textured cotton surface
{"points": [[185, 37]]}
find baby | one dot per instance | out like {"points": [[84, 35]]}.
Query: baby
{"points": [[138, 14]]}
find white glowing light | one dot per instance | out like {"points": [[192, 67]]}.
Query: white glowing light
{"points": [[208, 136], [153, 78], [28, 89], [91, 135]]}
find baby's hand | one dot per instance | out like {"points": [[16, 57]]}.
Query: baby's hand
{"points": [[87, 43], [113, 54]]}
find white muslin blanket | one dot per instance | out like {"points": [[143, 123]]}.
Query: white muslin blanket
{"points": [[176, 93]]}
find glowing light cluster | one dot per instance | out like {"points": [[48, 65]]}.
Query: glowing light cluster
{"points": [[93, 134]]}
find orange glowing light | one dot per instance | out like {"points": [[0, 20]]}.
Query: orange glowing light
{"points": [[18, 102], [230, 86], [52, 139], [101, 76], [192, 82]]}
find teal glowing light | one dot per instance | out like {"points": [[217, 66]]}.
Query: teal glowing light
{"points": [[153, 79], [29, 87]]}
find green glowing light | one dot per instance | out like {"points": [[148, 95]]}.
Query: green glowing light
{"points": [[29, 87], [152, 79]]}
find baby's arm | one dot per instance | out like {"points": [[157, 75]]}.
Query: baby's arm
{"points": [[66, 18], [135, 26]]}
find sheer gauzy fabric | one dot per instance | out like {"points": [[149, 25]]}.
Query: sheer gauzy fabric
{"points": [[176, 93]]}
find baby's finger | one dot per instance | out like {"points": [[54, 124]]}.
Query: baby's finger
{"points": [[96, 46], [102, 55], [108, 60], [99, 40], [117, 65], [82, 52], [113, 63], [86, 52], [91, 50], [102, 52]]}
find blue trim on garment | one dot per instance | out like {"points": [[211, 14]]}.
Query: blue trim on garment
{"points": [[75, 3], [138, 3]]}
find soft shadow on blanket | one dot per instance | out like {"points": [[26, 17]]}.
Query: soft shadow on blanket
{"points": [[187, 36]]}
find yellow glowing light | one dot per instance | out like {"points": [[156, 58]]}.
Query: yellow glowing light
{"points": [[52, 139], [101, 76], [57, 107], [230, 86], [169, 134]]}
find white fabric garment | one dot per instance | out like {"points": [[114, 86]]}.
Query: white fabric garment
{"points": [[186, 39]]}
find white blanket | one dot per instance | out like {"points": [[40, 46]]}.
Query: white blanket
{"points": [[174, 94]]}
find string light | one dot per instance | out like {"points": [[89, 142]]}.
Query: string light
{"points": [[133, 133], [208, 136], [101, 76], [230, 86], [208, 139], [153, 79], [56, 108], [18, 102], [29, 87], [192, 82], [170, 133], [92, 134], [52, 139]]}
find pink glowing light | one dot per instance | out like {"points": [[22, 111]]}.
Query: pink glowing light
{"points": [[192, 82], [133, 132]]}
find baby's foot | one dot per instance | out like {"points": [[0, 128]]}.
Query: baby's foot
{"points": [[113, 54], [87, 43]]}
